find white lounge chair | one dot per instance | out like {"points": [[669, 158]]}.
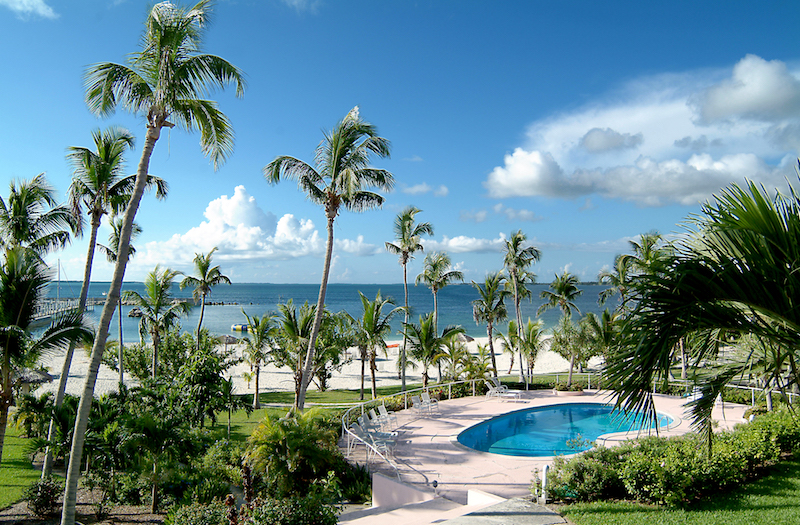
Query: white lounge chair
{"points": [[431, 403], [416, 402], [387, 416], [500, 391]]}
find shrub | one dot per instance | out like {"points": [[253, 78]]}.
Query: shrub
{"points": [[294, 510], [224, 460], [214, 513], [590, 476], [42, 496]]}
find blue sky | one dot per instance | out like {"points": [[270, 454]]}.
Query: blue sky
{"points": [[584, 124]]}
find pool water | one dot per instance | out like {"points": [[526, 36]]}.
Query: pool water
{"points": [[551, 430]]}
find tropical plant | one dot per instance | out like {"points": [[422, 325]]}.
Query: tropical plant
{"points": [[23, 278], [407, 236], [517, 259], [375, 324], [480, 366], [735, 272], [490, 308], [32, 218], [165, 82], [205, 278], [456, 357], [99, 185], [341, 178], [111, 256], [159, 312], [566, 342], [294, 331], [337, 333], [261, 332], [532, 342], [201, 378], [437, 273], [562, 294], [426, 343]]}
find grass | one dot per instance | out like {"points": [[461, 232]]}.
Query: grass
{"points": [[16, 472], [772, 499]]}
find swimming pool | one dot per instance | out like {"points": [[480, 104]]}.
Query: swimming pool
{"points": [[550, 430]]}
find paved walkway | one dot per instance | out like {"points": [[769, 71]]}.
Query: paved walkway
{"points": [[428, 452]]}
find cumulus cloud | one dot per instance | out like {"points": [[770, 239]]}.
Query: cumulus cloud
{"points": [[473, 216], [244, 234], [516, 215], [599, 140], [758, 89], [464, 244], [26, 8], [702, 133], [423, 188]]}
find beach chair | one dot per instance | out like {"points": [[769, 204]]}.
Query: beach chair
{"points": [[387, 416], [380, 441], [431, 403], [416, 402]]}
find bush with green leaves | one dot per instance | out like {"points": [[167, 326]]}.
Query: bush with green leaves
{"points": [[42, 496], [213, 513], [676, 471], [310, 509]]}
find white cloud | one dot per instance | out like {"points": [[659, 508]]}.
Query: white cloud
{"points": [[464, 244], [473, 216], [245, 235], [599, 140], [516, 215], [757, 89], [25, 8], [303, 5], [423, 188], [702, 134], [413, 158]]}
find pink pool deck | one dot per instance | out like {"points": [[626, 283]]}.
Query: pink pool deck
{"points": [[427, 449]]}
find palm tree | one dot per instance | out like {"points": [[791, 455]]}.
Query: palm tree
{"points": [[341, 178], [426, 344], [618, 281], [517, 259], [98, 184], [490, 308], [532, 342], [375, 324], [111, 256], [164, 83], [31, 217], [205, 278], [736, 272], [294, 332], [407, 242], [562, 294], [23, 279], [436, 274], [159, 312], [261, 331]]}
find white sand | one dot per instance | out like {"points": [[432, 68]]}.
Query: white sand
{"points": [[280, 379]]}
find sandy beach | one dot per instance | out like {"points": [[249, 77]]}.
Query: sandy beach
{"points": [[273, 378]]}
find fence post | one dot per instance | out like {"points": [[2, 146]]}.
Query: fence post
{"points": [[449, 390]]}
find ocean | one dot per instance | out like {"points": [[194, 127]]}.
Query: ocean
{"points": [[455, 304]]}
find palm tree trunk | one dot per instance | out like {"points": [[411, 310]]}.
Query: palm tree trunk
{"points": [[489, 328], [405, 339], [300, 400], [571, 366], [256, 403], [519, 334], [154, 492], [121, 347], [363, 361], [372, 373], [47, 467], [200, 322], [156, 336], [85, 405], [5, 398]]}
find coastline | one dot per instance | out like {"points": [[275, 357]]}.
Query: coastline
{"points": [[273, 378]]}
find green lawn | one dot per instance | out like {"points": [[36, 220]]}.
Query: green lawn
{"points": [[770, 500], [16, 472]]}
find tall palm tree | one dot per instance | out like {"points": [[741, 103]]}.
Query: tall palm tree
{"points": [[490, 308], [426, 343], [159, 312], [31, 217], [375, 324], [261, 332], [517, 259], [618, 281], [99, 185], [205, 278], [341, 178], [736, 271], [407, 242], [562, 294], [294, 332], [111, 256], [437, 273], [23, 279], [164, 83]]}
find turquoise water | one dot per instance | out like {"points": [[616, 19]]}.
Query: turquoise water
{"points": [[550, 430], [455, 303]]}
